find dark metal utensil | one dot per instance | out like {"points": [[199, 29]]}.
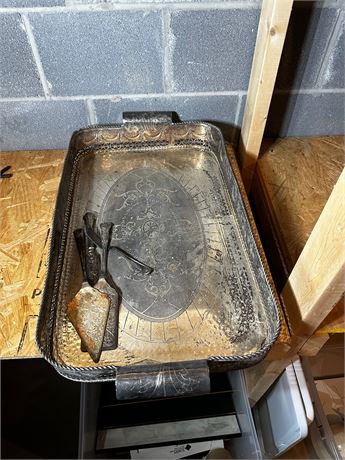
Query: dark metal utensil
{"points": [[110, 341], [4, 174], [106, 285], [89, 309], [92, 256], [92, 235]]}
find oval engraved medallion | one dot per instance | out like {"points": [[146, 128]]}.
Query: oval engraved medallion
{"points": [[155, 220]]}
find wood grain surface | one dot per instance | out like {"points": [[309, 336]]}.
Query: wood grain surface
{"points": [[317, 280], [273, 24], [27, 201], [294, 179]]}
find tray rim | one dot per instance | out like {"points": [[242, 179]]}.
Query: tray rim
{"points": [[110, 371]]}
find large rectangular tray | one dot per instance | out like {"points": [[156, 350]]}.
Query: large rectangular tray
{"points": [[176, 205]]}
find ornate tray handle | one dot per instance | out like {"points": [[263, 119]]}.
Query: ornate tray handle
{"points": [[162, 380], [147, 117]]}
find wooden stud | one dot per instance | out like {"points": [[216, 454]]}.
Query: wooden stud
{"points": [[274, 20], [335, 321], [313, 345], [317, 281], [259, 378]]}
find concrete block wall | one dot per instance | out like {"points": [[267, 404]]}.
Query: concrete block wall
{"points": [[66, 64]]}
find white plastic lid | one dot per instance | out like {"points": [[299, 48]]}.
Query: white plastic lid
{"points": [[280, 416]]}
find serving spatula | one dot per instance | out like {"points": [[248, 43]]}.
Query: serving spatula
{"points": [[110, 341], [89, 309]]}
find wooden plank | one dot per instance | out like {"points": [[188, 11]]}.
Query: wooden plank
{"points": [[259, 378], [26, 206], [317, 281], [334, 322], [313, 345], [274, 20]]}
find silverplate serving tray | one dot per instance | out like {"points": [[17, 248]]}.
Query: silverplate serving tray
{"points": [[176, 205]]}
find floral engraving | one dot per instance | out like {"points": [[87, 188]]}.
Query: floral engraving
{"points": [[155, 220]]}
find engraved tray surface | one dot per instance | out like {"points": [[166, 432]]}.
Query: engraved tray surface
{"points": [[176, 205]]}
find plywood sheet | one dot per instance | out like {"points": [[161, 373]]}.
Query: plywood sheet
{"points": [[295, 177], [27, 201]]}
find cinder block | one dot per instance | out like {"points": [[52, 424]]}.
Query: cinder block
{"points": [[212, 50], [305, 45], [30, 3], [306, 115], [334, 71], [236, 137], [84, 2], [243, 2], [40, 124], [220, 110], [108, 52], [18, 72]]}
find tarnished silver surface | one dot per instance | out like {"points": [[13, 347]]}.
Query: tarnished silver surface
{"points": [[176, 206], [156, 220], [163, 380], [88, 311]]}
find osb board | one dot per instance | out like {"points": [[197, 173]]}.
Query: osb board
{"points": [[27, 201], [295, 177]]}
